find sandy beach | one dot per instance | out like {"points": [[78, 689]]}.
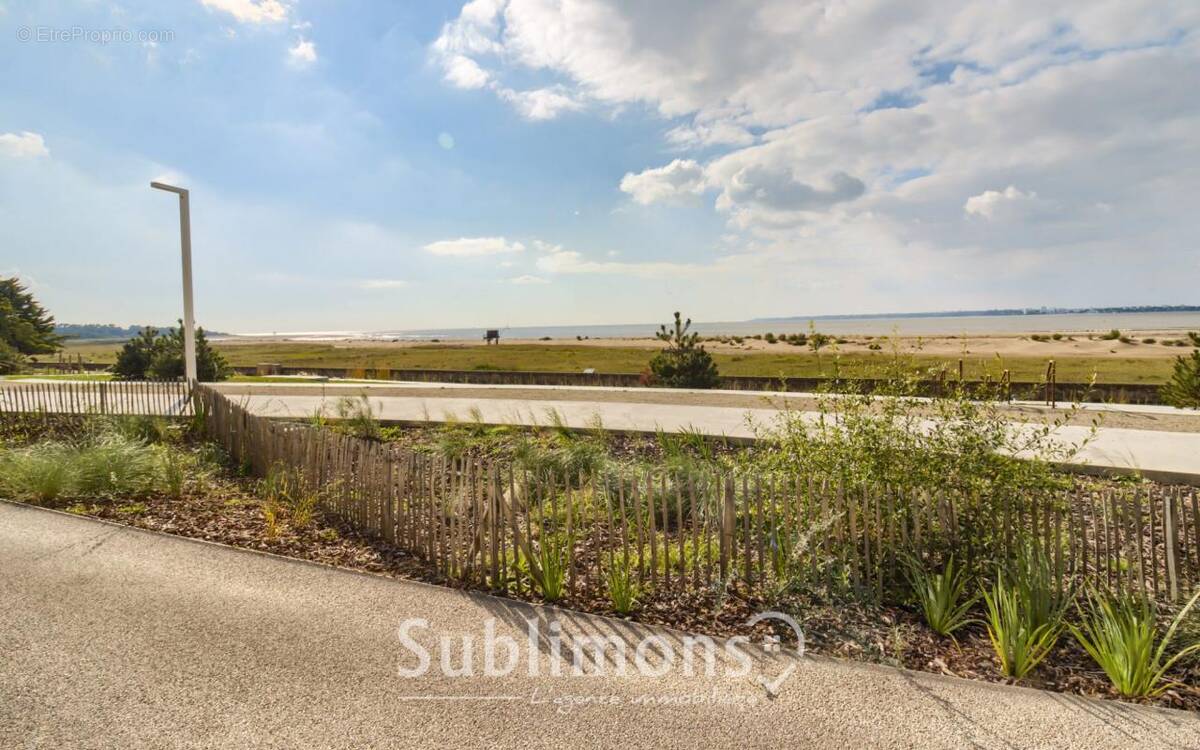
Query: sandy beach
{"points": [[1076, 344]]}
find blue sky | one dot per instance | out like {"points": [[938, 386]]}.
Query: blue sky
{"points": [[384, 165]]}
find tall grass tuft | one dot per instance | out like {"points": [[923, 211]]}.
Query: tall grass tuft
{"points": [[175, 469], [358, 416], [940, 596], [1120, 634], [40, 474], [115, 465]]}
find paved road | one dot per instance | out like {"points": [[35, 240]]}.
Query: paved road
{"points": [[113, 637], [1168, 456], [1164, 453]]}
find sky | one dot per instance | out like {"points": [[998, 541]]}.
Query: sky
{"points": [[359, 165]]}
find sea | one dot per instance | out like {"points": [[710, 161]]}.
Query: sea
{"points": [[903, 325]]}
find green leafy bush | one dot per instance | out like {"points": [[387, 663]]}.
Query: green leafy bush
{"points": [[1120, 634], [684, 363]]}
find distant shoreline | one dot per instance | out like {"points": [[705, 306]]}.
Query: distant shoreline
{"points": [[1024, 311]]}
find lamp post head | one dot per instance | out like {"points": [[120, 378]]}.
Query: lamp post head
{"points": [[168, 188]]}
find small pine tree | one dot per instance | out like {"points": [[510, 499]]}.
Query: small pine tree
{"points": [[160, 356], [135, 356], [1183, 389], [684, 363]]}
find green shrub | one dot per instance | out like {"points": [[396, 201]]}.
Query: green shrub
{"points": [[940, 596], [769, 338], [684, 363], [1119, 633], [1112, 335], [1183, 389]]}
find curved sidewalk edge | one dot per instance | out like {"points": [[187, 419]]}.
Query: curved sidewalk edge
{"points": [[121, 637]]}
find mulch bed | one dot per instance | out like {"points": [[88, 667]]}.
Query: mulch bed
{"points": [[224, 509]]}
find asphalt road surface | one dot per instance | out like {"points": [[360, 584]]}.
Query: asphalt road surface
{"points": [[112, 637]]}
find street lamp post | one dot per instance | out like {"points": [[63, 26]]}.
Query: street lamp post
{"points": [[185, 242]]}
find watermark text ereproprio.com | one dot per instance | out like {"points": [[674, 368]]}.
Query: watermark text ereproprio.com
{"points": [[92, 35]]}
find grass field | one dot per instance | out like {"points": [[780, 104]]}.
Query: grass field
{"points": [[617, 359]]}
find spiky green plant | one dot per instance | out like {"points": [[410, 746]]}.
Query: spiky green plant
{"points": [[553, 559], [1033, 576], [623, 590], [940, 596], [1020, 643], [1120, 634]]}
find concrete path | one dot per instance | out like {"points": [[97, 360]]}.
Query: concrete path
{"points": [[114, 637], [1166, 456], [1170, 454]]}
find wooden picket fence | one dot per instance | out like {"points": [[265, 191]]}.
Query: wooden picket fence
{"points": [[161, 398], [494, 525]]}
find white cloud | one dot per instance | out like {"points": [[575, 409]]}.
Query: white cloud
{"points": [[572, 262], [541, 104], [474, 246], [302, 54], [23, 144], [465, 73], [528, 279], [681, 179], [857, 130], [383, 284], [252, 11], [992, 204]]}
